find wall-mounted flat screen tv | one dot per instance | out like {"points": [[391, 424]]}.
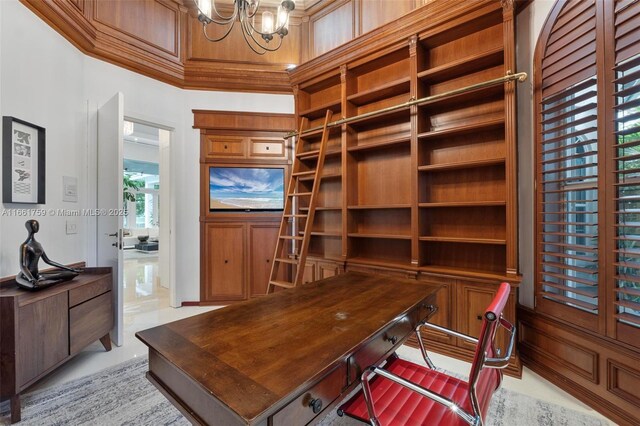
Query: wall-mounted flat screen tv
{"points": [[246, 188]]}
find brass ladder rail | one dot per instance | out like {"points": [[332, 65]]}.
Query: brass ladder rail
{"points": [[521, 76]]}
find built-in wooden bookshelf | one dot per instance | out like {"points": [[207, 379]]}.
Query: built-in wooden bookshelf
{"points": [[426, 190]]}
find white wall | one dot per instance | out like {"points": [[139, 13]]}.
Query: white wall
{"points": [[40, 82], [528, 26], [52, 91]]}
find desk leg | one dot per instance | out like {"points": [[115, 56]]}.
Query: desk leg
{"points": [[15, 409], [106, 342]]}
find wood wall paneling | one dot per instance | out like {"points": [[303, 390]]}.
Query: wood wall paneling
{"points": [[595, 369], [235, 49], [170, 45], [152, 22], [375, 13], [331, 27]]}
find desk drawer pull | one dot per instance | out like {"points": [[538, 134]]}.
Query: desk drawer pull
{"points": [[316, 405], [393, 339]]}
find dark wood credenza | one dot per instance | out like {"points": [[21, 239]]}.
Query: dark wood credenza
{"points": [[40, 330], [286, 358]]}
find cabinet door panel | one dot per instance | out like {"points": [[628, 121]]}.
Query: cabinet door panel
{"points": [[43, 329], [473, 299], [262, 244], [225, 263]]}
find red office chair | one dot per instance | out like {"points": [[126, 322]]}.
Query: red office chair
{"points": [[402, 393]]}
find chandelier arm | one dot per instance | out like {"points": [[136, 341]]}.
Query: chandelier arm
{"points": [[204, 31], [244, 34], [276, 31], [255, 10], [266, 48], [226, 19], [262, 46]]}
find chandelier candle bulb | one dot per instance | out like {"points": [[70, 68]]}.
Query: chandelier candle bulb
{"points": [[205, 7], [267, 22], [283, 21]]}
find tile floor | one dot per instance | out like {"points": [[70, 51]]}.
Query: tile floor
{"points": [[147, 305]]}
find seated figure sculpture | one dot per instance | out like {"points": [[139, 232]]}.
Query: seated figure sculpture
{"points": [[30, 253]]}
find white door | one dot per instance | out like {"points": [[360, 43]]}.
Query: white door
{"points": [[109, 200]]}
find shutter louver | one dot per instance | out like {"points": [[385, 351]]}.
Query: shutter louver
{"points": [[627, 157]]}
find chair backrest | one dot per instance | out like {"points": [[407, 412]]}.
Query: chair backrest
{"points": [[484, 381]]}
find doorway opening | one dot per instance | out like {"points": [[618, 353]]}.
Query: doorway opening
{"points": [[146, 282]]}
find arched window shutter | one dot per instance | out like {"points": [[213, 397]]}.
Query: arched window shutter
{"points": [[626, 137], [567, 181], [588, 167]]}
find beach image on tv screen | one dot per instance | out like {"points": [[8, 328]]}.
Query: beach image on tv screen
{"points": [[246, 188]]}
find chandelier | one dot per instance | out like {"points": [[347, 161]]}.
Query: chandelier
{"points": [[245, 12]]}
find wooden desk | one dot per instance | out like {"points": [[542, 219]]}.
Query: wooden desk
{"points": [[277, 359]]}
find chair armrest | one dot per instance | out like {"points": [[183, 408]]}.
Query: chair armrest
{"points": [[412, 387], [450, 332], [503, 361]]}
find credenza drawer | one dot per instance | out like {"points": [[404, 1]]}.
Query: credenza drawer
{"points": [[89, 291], [301, 410], [89, 321]]}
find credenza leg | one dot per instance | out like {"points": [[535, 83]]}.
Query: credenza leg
{"points": [[106, 342], [15, 409]]}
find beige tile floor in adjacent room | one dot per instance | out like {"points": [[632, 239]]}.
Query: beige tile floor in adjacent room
{"points": [[147, 305]]}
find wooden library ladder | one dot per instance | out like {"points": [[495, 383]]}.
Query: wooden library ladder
{"points": [[297, 254]]}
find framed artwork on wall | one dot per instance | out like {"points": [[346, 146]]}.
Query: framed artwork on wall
{"points": [[23, 162]]}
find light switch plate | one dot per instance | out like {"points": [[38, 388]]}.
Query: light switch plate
{"points": [[72, 227]]}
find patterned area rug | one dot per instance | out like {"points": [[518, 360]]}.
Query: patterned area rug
{"points": [[121, 395]]}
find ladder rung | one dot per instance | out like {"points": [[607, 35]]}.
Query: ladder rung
{"points": [[294, 215], [308, 154], [291, 261], [300, 194], [284, 284], [309, 173], [290, 237]]}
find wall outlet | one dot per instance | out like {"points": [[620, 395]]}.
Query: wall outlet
{"points": [[72, 227]]}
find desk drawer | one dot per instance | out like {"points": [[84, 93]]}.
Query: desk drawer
{"points": [[89, 291], [300, 412], [382, 345]]}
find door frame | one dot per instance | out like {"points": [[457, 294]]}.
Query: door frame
{"points": [[92, 186], [165, 194]]}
